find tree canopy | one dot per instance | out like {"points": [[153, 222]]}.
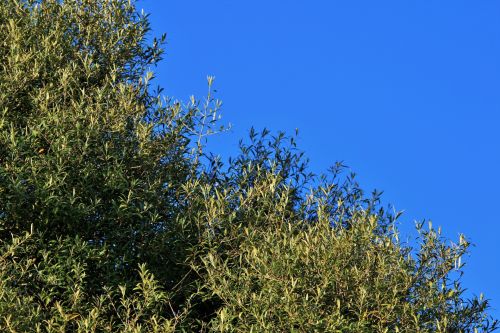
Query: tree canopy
{"points": [[114, 217]]}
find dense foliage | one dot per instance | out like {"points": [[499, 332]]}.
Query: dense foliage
{"points": [[114, 218]]}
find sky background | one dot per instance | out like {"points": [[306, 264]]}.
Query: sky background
{"points": [[406, 93]]}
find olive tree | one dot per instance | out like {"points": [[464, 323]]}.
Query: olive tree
{"points": [[114, 217]]}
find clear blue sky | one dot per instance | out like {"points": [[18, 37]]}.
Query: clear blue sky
{"points": [[407, 93]]}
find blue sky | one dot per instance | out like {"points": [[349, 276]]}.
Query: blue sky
{"points": [[407, 93]]}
